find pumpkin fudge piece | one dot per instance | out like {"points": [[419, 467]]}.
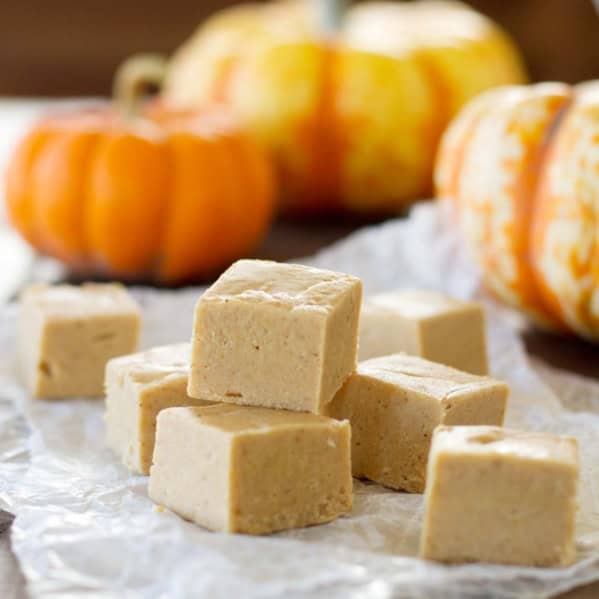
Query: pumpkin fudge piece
{"points": [[426, 324], [138, 387], [275, 335], [501, 496], [251, 470], [67, 334], [395, 402]]}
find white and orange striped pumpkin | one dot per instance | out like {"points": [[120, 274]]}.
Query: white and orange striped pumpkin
{"points": [[520, 166]]}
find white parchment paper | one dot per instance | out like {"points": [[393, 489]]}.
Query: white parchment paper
{"points": [[85, 526]]}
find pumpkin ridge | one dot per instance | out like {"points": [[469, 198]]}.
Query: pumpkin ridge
{"points": [[528, 181], [81, 261], [126, 201], [451, 152], [546, 296], [554, 204], [168, 206], [259, 185], [59, 185], [321, 191], [18, 183], [440, 116], [191, 240]]}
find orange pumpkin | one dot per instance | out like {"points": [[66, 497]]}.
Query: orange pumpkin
{"points": [[520, 166], [351, 112], [168, 199]]}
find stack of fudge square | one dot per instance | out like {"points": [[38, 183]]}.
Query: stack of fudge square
{"points": [[260, 423]]}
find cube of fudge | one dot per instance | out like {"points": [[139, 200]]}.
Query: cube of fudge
{"points": [[138, 387], [251, 470], [426, 324], [500, 496], [395, 402], [67, 334], [275, 335]]}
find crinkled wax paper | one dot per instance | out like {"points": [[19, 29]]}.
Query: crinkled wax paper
{"points": [[84, 525]]}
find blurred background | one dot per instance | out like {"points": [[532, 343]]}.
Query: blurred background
{"points": [[72, 47], [63, 52]]}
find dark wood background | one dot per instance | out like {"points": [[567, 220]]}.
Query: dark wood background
{"points": [[70, 47]]}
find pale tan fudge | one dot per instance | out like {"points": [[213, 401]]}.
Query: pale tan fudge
{"points": [[426, 324], [275, 335], [251, 470], [500, 496], [138, 387], [395, 402], [67, 334]]}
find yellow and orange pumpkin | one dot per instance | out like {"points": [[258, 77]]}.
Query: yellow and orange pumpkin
{"points": [[520, 166], [168, 199], [352, 116]]}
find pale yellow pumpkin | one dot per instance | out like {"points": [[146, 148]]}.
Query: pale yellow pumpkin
{"points": [[352, 116]]}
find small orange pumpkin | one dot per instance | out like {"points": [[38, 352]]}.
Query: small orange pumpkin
{"points": [[520, 166], [169, 198]]}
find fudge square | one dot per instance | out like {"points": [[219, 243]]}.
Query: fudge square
{"points": [[138, 387], [426, 324], [275, 335], [68, 333], [394, 404], [502, 496], [251, 470]]}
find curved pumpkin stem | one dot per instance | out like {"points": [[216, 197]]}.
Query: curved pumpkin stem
{"points": [[331, 14], [135, 77]]}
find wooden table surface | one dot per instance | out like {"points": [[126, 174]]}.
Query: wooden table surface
{"points": [[288, 241]]}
